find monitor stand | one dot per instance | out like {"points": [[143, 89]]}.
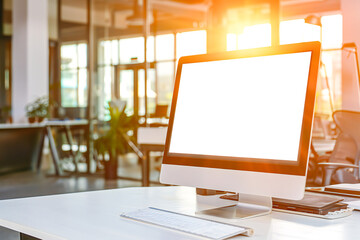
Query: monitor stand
{"points": [[233, 205]]}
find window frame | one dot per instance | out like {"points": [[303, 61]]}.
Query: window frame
{"points": [[77, 70]]}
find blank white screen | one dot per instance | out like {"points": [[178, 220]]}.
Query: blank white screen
{"points": [[248, 107]]}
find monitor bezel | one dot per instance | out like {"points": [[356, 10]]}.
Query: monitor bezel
{"points": [[250, 164]]}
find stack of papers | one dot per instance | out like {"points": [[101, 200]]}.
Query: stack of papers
{"points": [[354, 204], [346, 188]]}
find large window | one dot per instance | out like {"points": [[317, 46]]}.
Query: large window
{"points": [[331, 65], [328, 96], [163, 50], [190, 43], [74, 75], [251, 37], [165, 67], [125, 52]]}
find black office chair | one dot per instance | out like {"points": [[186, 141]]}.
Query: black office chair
{"points": [[343, 163]]}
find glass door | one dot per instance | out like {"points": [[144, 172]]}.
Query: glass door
{"points": [[151, 91], [130, 87], [127, 79]]}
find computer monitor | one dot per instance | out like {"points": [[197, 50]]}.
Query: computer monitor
{"points": [[241, 121]]}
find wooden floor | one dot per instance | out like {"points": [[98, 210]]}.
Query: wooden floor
{"points": [[30, 184]]}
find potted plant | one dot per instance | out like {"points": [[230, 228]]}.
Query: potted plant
{"points": [[38, 110], [31, 112], [112, 142]]}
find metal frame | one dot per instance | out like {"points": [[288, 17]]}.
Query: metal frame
{"points": [[90, 105]]}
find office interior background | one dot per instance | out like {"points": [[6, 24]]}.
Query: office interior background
{"points": [[76, 56]]}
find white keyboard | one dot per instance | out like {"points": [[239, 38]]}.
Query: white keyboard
{"points": [[189, 224]]}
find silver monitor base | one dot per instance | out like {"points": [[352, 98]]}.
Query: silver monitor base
{"points": [[246, 206]]}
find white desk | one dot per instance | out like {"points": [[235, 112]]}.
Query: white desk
{"points": [[95, 215], [150, 139], [66, 125]]}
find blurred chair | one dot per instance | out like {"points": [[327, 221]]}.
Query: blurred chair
{"points": [[323, 128], [343, 163], [159, 118], [161, 111]]}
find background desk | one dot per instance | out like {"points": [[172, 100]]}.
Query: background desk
{"points": [[66, 125], [150, 139], [95, 215], [20, 146], [29, 138]]}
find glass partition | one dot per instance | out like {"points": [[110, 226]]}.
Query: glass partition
{"points": [[74, 75], [161, 53]]}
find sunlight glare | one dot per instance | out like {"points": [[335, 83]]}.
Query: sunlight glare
{"points": [[255, 36]]}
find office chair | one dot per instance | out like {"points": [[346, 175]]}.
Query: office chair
{"points": [[158, 117], [343, 163], [161, 111]]}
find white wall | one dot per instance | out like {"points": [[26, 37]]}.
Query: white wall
{"points": [[30, 57]]}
